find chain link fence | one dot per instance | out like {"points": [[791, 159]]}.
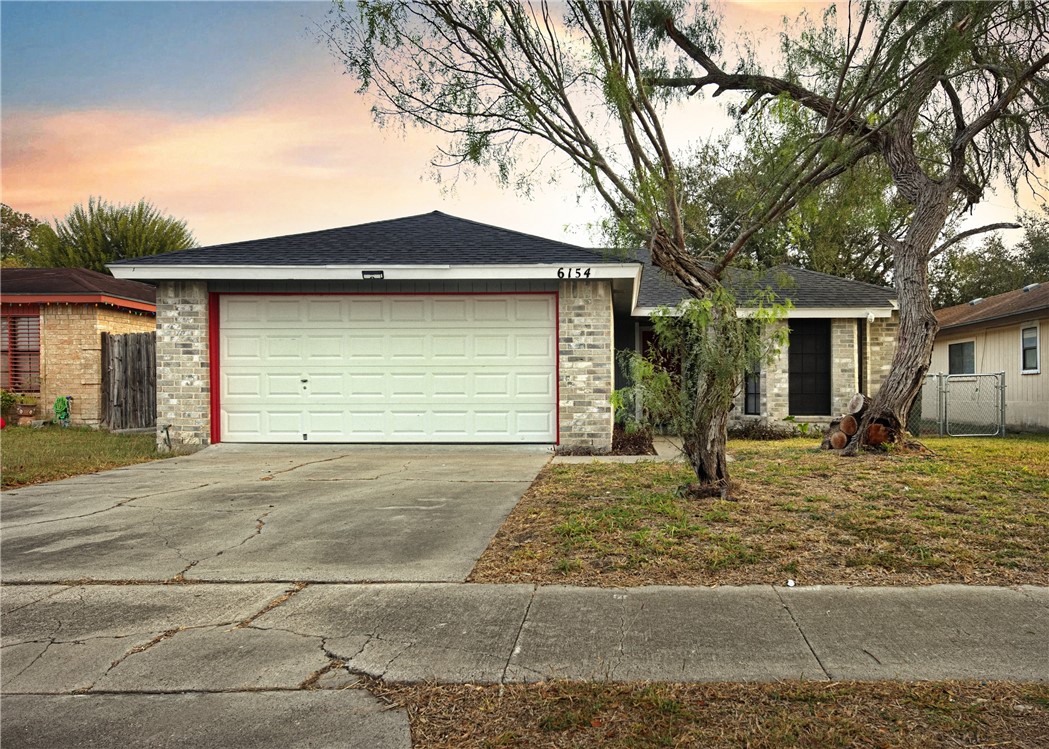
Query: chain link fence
{"points": [[971, 405]]}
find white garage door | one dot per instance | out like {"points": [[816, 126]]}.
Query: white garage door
{"points": [[388, 368]]}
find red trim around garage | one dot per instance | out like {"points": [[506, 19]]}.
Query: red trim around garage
{"points": [[213, 339], [213, 367], [557, 366]]}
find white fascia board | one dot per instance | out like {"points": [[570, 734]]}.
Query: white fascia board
{"points": [[800, 313], [390, 272]]}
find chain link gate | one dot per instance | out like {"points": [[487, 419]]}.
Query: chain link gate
{"points": [[969, 405]]}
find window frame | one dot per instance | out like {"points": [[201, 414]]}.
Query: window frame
{"points": [[1033, 325], [960, 343], [29, 378]]}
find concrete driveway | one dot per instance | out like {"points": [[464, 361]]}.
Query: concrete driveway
{"points": [[240, 513]]}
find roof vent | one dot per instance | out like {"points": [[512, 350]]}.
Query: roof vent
{"points": [[976, 301], [1030, 286]]}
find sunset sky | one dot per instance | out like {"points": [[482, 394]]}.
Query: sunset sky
{"points": [[234, 118]]}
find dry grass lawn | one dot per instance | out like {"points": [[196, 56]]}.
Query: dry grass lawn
{"points": [[758, 716], [32, 456], [973, 511]]}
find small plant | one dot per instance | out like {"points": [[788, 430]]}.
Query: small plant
{"points": [[24, 399], [7, 400]]}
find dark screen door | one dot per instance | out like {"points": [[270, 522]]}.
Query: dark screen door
{"points": [[809, 361]]}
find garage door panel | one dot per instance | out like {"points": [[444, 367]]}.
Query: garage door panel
{"points": [[451, 310], [539, 385], [407, 348], [407, 310], [283, 348], [329, 309], [388, 368], [408, 385], [450, 347], [324, 347], [244, 348], [278, 385]]}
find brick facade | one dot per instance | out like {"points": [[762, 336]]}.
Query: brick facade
{"points": [[71, 355], [881, 347], [586, 364], [845, 360], [183, 384]]}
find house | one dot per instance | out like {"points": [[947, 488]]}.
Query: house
{"points": [[50, 337], [429, 328], [841, 341], [1004, 333]]}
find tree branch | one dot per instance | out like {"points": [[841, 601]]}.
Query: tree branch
{"points": [[972, 232]]}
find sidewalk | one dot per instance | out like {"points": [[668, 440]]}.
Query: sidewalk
{"points": [[163, 638], [269, 666]]}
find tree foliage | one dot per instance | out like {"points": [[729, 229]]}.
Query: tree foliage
{"points": [[91, 236], [509, 82], [16, 236], [941, 97], [690, 348]]}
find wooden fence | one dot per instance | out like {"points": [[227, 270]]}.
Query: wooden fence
{"points": [[129, 380]]}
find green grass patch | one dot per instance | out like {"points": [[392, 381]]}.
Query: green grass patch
{"points": [[34, 455], [971, 511]]}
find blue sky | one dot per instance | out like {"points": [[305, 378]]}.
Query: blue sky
{"points": [[186, 56]]}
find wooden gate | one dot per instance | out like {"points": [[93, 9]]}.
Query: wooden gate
{"points": [[129, 380]]}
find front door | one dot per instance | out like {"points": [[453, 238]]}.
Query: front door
{"points": [[809, 361]]}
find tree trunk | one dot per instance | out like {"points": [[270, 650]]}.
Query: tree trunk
{"points": [[918, 326], [706, 453]]}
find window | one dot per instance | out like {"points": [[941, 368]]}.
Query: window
{"points": [[20, 354], [1029, 350], [961, 358], [752, 391]]}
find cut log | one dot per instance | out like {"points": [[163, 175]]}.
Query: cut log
{"points": [[849, 425], [838, 440], [857, 404], [877, 434]]}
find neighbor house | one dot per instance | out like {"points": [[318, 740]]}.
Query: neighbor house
{"points": [[433, 328], [1004, 333], [51, 333]]}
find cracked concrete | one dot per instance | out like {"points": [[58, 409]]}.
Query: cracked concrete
{"points": [[320, 719], [282, 661], [371, 513]]}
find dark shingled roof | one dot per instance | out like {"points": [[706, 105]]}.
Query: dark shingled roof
{"points": [[72, 282], [804, 288], [1010, 303], [427, 239]]}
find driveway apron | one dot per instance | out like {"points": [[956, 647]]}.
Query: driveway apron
{"points": [[244, 513]]}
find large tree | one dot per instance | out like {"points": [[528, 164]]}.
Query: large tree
{"points": [[509, 83], [91, 236], [946, 96]]}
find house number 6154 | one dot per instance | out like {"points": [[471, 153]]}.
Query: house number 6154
{"points": [[573, 273]]}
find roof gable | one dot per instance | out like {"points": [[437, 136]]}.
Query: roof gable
{"points": [[1017, 302], [426, 239]]}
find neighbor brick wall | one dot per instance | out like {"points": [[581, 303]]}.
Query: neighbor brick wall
{"points": [[586, 363], [119, 322], [70, 361], [183, 385]]}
